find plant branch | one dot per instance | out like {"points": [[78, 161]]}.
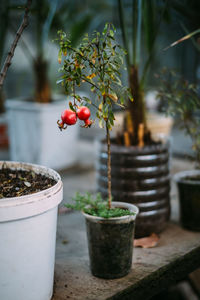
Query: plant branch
{"points": [[93, 84], [25, 48], [10, 55], [81, 55], [184, 38]]}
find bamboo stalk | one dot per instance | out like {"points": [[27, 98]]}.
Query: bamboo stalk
{"points": [[129, 123], [141, 135], [127, 141]]}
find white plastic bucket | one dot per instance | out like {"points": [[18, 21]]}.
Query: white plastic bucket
{"points": [[28, 235]]}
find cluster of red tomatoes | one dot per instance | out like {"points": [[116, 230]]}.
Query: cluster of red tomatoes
{"points": [[69, 117]]}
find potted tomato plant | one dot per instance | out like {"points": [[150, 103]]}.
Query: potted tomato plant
{"points": [[110, 225], [181, 100]]}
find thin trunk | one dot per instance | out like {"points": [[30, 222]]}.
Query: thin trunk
{"points": [[108, 165], [43, 89], [2, 106], [137, 107]]}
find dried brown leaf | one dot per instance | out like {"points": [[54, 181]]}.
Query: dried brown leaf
{"points": [[147, 242]]}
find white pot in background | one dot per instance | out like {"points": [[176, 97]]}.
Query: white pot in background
{"points": [[35, 137], [28, 235], [157, 123]]}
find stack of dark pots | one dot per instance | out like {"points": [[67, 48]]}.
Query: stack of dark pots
{"points": [[139, 176]]}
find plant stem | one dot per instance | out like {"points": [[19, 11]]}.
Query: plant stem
{"points": [[42, 89], [137, 107], [10, 55], [108, 165]]}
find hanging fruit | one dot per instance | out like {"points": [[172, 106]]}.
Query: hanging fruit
{"points": [[69, 117], [83, 113]]}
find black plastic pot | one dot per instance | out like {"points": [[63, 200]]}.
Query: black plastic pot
{"points": [[110, 243], [139, 176], [189, 198]]}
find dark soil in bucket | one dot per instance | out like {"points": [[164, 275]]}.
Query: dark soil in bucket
{"points": [[192, 178], [15, 183]]}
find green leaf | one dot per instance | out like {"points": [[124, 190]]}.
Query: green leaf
{"points": [[92, 89], [130, 95], [60, 56], [101, 123], [71, 107], [87, 100], [111, 33]]}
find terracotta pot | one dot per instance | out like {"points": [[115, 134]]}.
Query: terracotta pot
{"points": [[110, 243], [139, 176]]}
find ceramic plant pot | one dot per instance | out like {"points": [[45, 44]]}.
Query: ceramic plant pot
{"points": [[110, 243], [28, 235], [188, 183], [141, 177]]}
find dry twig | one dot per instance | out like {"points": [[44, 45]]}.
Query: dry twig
{"points": [[10, 55]]}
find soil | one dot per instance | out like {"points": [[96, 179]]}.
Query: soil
{"points": [[148, 140], [192, 178], [15, 183]]}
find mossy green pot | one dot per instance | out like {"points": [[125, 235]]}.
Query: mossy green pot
{"points": [[188, 183], [110, 243]]}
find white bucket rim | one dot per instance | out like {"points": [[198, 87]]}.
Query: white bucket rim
{"points": [[35, 203]]}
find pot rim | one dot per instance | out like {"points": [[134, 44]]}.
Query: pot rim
{"points": [[180, 177], [31, 167], [123, 219], [115, 148], [15, 208]]}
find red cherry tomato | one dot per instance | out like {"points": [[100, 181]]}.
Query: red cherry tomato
{"points": [[88, 122], [69, 117], [83, 113]]}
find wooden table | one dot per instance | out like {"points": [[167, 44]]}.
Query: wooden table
{"points": [[177, 254]]}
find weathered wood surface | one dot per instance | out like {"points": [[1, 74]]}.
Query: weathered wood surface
{"points": [[177, 254]]}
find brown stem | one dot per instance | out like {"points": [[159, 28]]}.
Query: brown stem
{"points": [[108, 165], [43, 89], [2, 107], [137, 107], [10, 55]]}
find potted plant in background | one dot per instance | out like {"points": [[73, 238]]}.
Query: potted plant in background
{"points": [[110, 225], [140, 161], [29, 198], [181, 100], [39, 112]]}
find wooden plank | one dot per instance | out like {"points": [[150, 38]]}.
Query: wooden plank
{"points": [[177, 254]]}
